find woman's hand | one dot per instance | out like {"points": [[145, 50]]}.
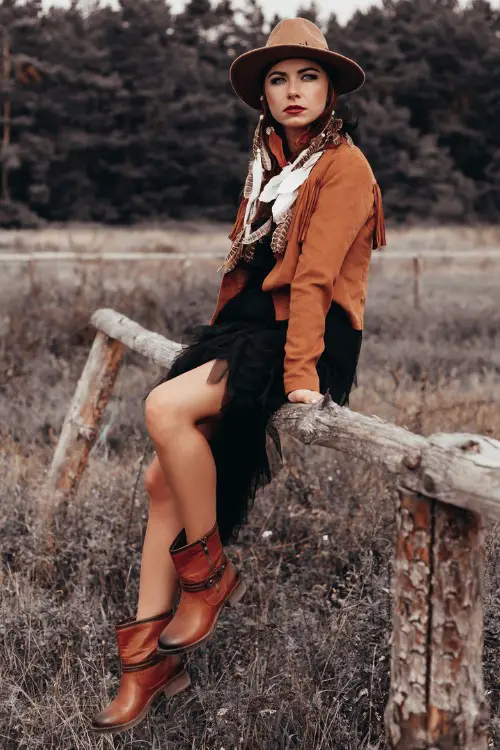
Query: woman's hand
{"points": [[304, 396]]}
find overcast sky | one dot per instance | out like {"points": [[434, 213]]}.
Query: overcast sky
{"points": [[343, 8]]}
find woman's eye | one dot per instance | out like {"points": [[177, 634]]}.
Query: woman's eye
{"points": [[313, 76]]}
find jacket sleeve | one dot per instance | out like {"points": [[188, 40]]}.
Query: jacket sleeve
{"points": [[343, 206]]}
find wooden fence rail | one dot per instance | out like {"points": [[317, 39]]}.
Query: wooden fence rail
{"points": [[145, 255], [447, 484], [484, 259]]}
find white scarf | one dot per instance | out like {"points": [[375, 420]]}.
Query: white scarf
{"points": [[283, 188]]}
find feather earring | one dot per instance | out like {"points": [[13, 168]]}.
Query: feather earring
{"points": [[259, 146], [266, 159], [266, 156], [254, 179], [255, 149], [257, 137]]}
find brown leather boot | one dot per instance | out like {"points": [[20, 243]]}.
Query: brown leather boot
{"points": [[145, 673], [208, 580]]}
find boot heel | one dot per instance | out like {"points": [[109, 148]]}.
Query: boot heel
{"points": [[236, 595], [180, 682]]}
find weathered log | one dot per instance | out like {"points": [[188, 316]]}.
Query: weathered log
{"points": [[437, 699], [79, 430], [153, 346], [437, 696], [458, 714], [416, 281], [406, 712], [460, 469]]}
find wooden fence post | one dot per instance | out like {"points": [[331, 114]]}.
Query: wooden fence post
{"points": [[406, 712], [437, 699], [79, 430], [447, 483], [458, 712], [416, 281]]}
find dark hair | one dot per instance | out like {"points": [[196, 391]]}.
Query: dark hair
{"points": [[349, 119]]}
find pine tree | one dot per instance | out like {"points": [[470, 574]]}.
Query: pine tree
{"points": [[121, 114]]}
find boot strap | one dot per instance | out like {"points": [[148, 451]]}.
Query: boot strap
{"points": [[208, 582], [150, 661]]}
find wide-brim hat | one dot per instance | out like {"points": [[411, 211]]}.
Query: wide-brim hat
{"points": [[292, 37]]}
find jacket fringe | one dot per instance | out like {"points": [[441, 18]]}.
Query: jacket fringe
{"points": [[238, 224], [219, 369], [379, 239], [310, 200]]}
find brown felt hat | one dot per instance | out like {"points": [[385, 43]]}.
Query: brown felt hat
{"points": [[292, 37]]}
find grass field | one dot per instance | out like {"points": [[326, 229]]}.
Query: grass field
{"points": [[303, 661]]}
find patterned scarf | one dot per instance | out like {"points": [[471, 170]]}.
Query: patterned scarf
{"points": [[280, 191]]}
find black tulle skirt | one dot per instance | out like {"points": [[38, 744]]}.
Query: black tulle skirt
{"points": [[249, 345]]}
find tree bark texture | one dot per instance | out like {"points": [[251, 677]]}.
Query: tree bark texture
{"points": [[437, 699], [458, 714], [406, 713], [80, 427]]}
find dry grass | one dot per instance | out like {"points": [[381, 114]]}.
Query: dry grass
{"points": [[303, 661], [210, 236]]}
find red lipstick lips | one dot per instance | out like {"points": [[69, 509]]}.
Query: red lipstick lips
{"points": [[294, 109]]}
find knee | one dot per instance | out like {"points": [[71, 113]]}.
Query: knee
{"points": [[153, 478], [156, 484], [162, 414]]}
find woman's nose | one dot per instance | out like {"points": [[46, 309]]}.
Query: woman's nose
{"points": [[292, 90]]}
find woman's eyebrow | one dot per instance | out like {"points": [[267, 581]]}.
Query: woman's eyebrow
{"points": [[302, 70]]}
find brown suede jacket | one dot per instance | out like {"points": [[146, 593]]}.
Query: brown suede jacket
{"points": [[338, 219]]}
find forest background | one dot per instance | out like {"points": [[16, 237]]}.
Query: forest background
{"points": [[126, 115]]}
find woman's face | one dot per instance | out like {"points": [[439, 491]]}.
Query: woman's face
{"points": [[296, 82]]}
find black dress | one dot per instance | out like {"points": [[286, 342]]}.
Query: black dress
{"points": [[246, 336]]}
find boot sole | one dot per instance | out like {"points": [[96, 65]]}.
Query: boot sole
{"points": [[234, 597], [176, 685]]}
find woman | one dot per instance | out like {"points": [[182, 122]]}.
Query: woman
{"points": [[287, 326]]}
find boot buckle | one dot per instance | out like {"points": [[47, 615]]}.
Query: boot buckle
{"points": [[208, 582]]}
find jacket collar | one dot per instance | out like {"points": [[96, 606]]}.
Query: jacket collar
{"points": [[276, 146]]}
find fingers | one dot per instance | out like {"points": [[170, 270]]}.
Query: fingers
{"points": [[304, 396]]}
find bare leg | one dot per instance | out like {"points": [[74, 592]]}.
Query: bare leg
{"points": [[172, 412], [159, 580]]}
